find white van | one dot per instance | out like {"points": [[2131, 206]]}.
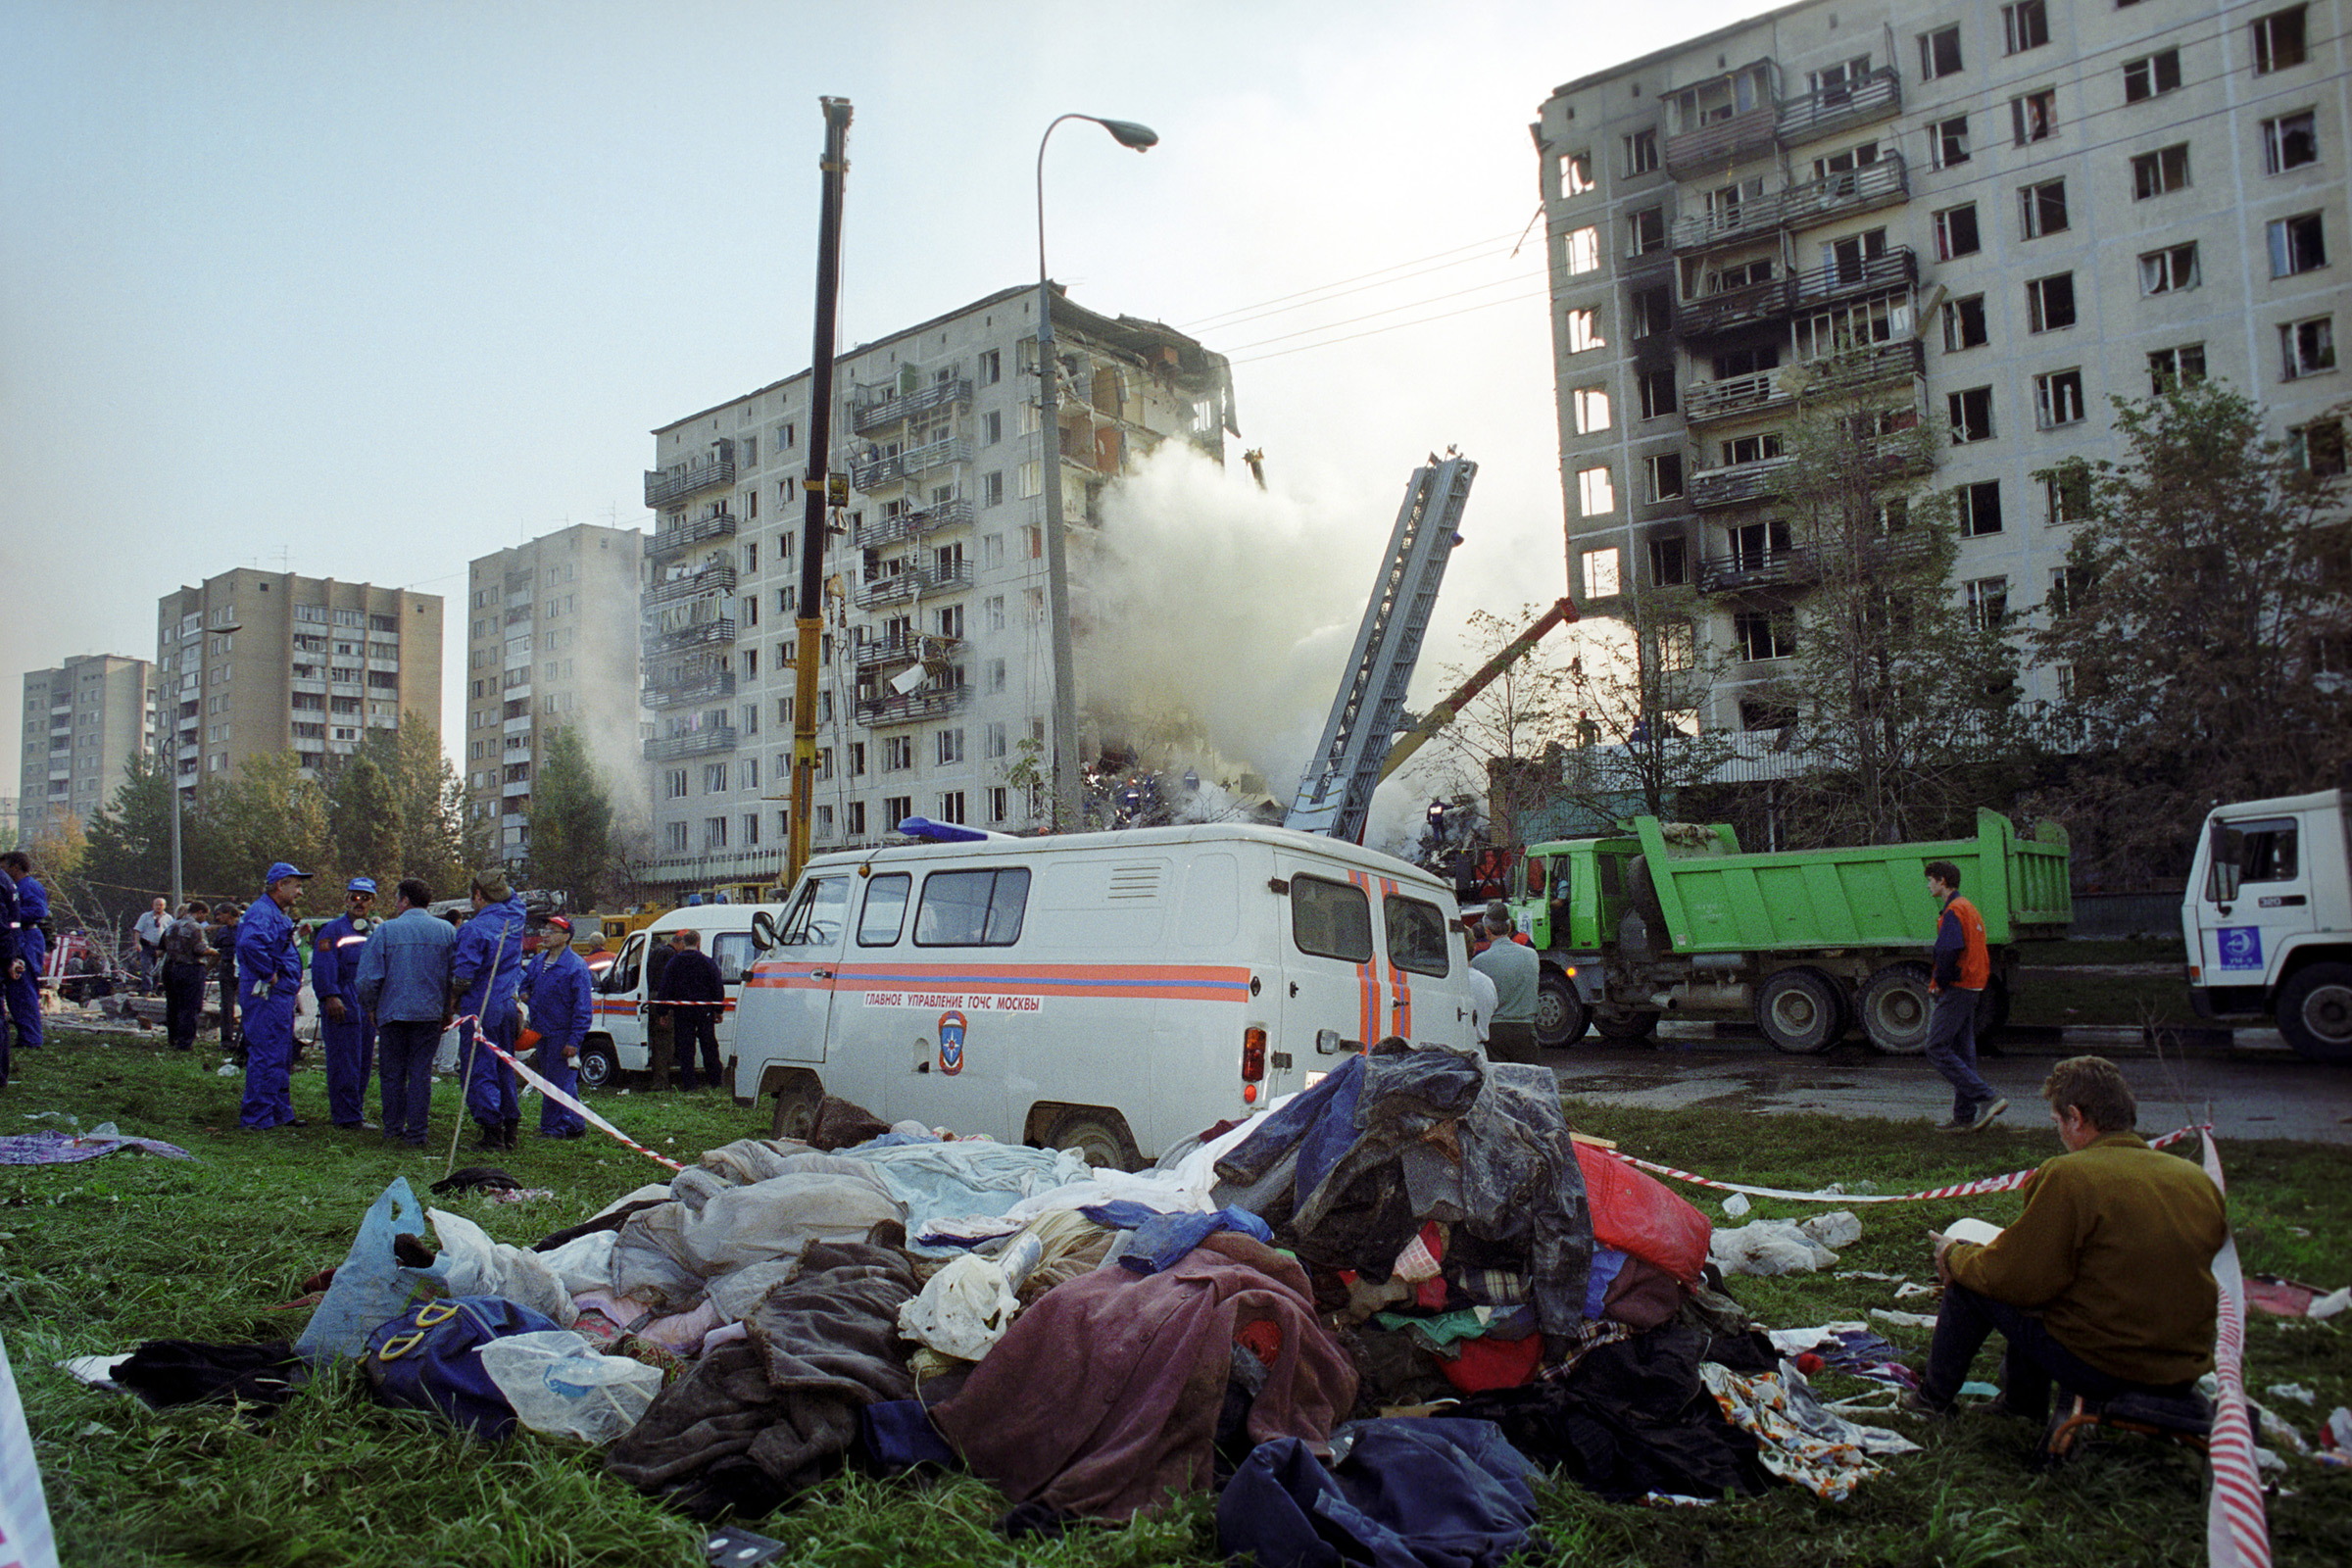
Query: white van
{"points": [[1113, 992], [621, 1001]]}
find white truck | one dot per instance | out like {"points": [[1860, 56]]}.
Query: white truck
{"points": [[1111, 992], [2268, 919]]}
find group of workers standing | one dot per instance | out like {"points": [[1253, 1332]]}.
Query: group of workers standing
{"points": [[24, 950]]}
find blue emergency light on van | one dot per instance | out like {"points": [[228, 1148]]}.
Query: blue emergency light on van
{"points": [[930, 832]]}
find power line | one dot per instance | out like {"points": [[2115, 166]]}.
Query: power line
{"points": [[1394, 326], [1264, 307], [1372, 315]]}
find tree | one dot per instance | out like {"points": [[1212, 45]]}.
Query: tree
{"points": [[271, 812], [437, 841], [572, 823], [365, 817], [2202, 628], [128, 860], [1902, 696], [1637, 692], [1509, 737]]}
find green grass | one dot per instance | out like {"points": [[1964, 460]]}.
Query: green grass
{"points": [[96, 1258]]}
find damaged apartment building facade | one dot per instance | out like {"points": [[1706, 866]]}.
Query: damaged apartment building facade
{"points": [[935, 658], [1983, 218]]}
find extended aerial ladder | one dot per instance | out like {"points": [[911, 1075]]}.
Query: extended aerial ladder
{"points": [[1335, 794]]}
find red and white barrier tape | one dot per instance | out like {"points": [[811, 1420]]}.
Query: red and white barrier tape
{"points": [[1989, 1183], [570, 1103], [2236, 1531]]}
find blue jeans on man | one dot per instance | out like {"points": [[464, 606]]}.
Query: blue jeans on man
{"points": [[2033, 1361], [1952, 1050], [405, 1054]]}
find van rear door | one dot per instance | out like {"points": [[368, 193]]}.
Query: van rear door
{"points": [[732, 951], [1331, 970]]}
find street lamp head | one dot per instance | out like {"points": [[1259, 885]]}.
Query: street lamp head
{"points": [[1143, 138]]}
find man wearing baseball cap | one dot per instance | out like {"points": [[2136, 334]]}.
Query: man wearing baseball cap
{"points": [[485, 965], [556, 986], [270, 977], [344, 1026]]}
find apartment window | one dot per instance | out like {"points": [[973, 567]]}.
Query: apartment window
{"points": [[1987, 601], [1657, 393], [714, 778], [2279, 40], [2297, 245], [992, 611], [2066, 496], [992, 366], [2308, 346], [674, 784], [715, 833], [1980, 509], [897, 752], [949, 745], [673, 837], [2169, 271], [996, 802], [1646, 231], [2050, 303], [2042, 208], [1939, 53], [1576, 174], [1763, 634], [950, 807], [1751, 448], [2058, 398], [896, 809], [2034, 116], [750, 773], [1669, 563], [2319, 447], [1665, 471], [1947, 142], [1652, 311], [991, 428], [993, 672], [2024, 25], [854, 819], [2161, 172], [1032, 479], [1956, 232], [1964, 323], [2156, 73], [2069, 591], [2176, 367], [1584, 251], [1641, 152], [1602, 573], [1596, 497], [1591, 406], [1972, 415], [1584, 331], [2290, 141]]}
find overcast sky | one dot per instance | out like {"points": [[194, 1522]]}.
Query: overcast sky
{"points": [[362, 289]]}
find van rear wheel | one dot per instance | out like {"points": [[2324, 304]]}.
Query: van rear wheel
{"points": [[1099, 1136], [795, 1109], [2314, 1012], [597, 1063]]}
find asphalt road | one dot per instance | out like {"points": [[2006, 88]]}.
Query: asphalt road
{"points": [[2254, 1088]]}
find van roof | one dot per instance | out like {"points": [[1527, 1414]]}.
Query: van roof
{"points": [[2322, 800], [1140, 840], [712, 916]]}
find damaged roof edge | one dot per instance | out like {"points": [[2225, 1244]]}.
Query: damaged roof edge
{"points": [[1761, 18]]}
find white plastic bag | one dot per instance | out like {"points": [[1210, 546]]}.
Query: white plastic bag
{"points": [[1835, 1229], [583, 1263], [1736, 1205], [964, 1311], [476, 1265], [1768, 1247], [558, 1385]]}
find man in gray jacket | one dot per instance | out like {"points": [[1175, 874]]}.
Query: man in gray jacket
{"points": [[403, 984], [1516, 972]]}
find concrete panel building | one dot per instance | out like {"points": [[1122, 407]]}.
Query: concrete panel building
{"points": [[1989, 219], [255, 663], [935, 663], [84, 721], [551, 642]]}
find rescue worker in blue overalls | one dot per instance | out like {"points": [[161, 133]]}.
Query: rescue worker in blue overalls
{"points": [[485, 967], [9, 964], [269, 979], [555, 991], [32, 945], [344, 1026]]}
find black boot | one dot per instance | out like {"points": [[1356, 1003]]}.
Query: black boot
{"points": [[493, 1137], [512, 1129]]}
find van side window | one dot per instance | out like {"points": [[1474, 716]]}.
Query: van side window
{"points": [[622, 975], [1416, 936], [972, 908], [1331, 919], [2266, 850], [818, 915], [731, 950], [885, 911]]}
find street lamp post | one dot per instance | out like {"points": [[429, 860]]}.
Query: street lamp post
{"points": [[1067, 815]]}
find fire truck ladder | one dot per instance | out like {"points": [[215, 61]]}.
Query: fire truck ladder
{"points": [[1335, 795]]}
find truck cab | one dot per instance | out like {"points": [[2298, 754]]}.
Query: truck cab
{"points": [[1568, 897], [2266, 918]]}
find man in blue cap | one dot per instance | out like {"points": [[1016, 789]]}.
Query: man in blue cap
{"points": [[32, 945], [556, 987], [344, 1024], [485, 967], [269, 978]]}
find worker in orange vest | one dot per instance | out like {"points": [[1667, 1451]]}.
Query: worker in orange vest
{"points": [[1962, 969]]}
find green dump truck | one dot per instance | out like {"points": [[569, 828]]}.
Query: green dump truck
{"points": [[1674, 919]]}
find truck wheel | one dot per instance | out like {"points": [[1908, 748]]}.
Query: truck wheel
{"points": [[2314, 1012], [1798, 1011], [1894, 1006], [795, 1109], [597, 1063], [1561, 1016], [1100, 1136], [1625, 1025]]}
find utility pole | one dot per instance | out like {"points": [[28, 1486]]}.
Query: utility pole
{"points": [[815, 488]]}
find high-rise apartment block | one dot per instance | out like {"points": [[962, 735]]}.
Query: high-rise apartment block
{"points": [[83, 723], [935, 662], [550, 643], [1988, 219], [256, 662]]}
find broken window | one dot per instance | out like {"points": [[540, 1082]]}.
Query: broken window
{"points": [[2066, 496], [1584, 334], [1645, 232], [1956, 232], [2033, 116], [1971, 415], [1657, 393], [2159, 172], [1939, 53], [2153, 75], [1669, 561], [1763, 634], [2176, 367], [2279, 40], [1859, 325], [1576, 174], [1947, 142], [2319, 447], [2042, 208], [2308, 346], [1652, 311], [1665, 475], [2297, 245], [1751, 448], [2169, 271], [1591, 404], [2024, 25], [1641, 152], [1988, 603], [1964, 323], [2058, 398], [2050, 303], [1600, 574], [2289, 142], [1596, 496], [1980, 507], [1584, 251]]}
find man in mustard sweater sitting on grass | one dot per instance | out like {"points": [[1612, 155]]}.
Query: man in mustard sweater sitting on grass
{"points": [[2104, 1285]]}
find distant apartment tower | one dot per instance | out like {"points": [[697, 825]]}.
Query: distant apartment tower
{"points": [[935, 662], [83, 723], [257, 662], [1984, 219], [551, 642]]}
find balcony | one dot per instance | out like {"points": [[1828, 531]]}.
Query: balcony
{"points": [[521, 725], [1816, 201], [1769, 390], [1736, 308], [1867, 365], [866, 417], [515, 786], [702, 689], [889, 651], [875, 473], [1793, 567], [924, 702], [1741, 395], [906, 585], [694, 636], [909, 525], [694, 743], [1722, 142], [1896, 268], [710, 580], [1740, 484], [716, 526], [1827, 110], [715, 467]]}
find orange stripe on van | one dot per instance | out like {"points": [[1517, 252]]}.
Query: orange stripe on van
{"points": [[1400, 983], [1181, 982], [1367, 979]]}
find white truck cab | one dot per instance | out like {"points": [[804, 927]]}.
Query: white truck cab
{"points": [[1111, 992], [622, 1000], [2268, 919]]}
